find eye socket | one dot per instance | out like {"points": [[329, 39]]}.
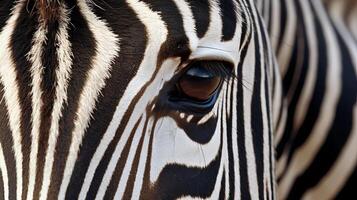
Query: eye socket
{"points": [[202, 79]]}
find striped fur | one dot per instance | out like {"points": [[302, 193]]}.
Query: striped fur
{"points": [[84, 101], [315, 43], [85, 110]]}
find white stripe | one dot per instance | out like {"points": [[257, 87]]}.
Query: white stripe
{"points": [[4, 173], [266, 11], [107, 47], [288, 38], [275, 23], [259, 5], [266, 131], [188, 22], [248, 74], [234, 114], [347, 36], [64, 55], [11, 92], [217, 185], [214, 32], [237, 191], [157, 34], [225, 157], [277, 101], [35, 57]]}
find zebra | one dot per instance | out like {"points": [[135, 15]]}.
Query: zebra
{"points": [[160, 99], [135, 99]]}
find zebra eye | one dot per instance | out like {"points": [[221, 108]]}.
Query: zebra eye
{"points": [[199, 82]]}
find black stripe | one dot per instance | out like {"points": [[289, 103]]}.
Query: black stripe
{"points": [[300, 39], [270, 16], [2, 126], [257, 121], [229, 121], [50, 64], [83, 46], [2, 193], [341, 128], [243, 167], [349, 189], [229, 19], [224, 104], [294, 62], [132, 48], [274, 77], [5, 12], [21, 43], [191, 180], [222, 192], [201, 15], [173, 20], [256, 117]]}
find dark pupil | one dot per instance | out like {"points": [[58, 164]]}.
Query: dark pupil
{"points": [[199, 83]]}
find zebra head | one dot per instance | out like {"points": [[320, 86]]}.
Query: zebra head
{"points": [[135, 99]]}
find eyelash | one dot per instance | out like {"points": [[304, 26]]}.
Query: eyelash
{"points": [[217, 68]]}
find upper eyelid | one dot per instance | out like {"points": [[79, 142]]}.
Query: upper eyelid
{"points": [[213, 53], [220, 66]]}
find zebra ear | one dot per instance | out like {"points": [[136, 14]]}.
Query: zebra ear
{"points": [[48, 9]]}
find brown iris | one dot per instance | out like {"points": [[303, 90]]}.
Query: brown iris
{"points": [[199, 83]]}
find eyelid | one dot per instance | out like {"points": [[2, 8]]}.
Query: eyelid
{"points": [[213, 53], [213, 67]]}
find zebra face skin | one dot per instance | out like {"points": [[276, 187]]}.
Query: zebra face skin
{"points": [[135, 100]]}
